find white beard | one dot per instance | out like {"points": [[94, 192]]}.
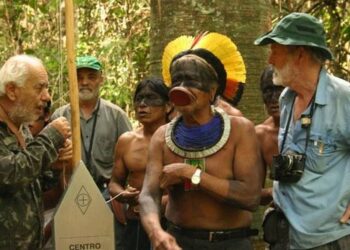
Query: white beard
{"points": [[87, 95], [22, 114], [277, 78], [283, 76]]}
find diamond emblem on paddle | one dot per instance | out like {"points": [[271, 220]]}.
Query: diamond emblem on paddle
{"points": [[83, 200]]}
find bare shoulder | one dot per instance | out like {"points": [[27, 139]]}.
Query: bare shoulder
{"points": [[261, 129], [129, 135], [230, 110], [234, 111], [242, 124], [266, 127], [159, 135], [126, 139]]}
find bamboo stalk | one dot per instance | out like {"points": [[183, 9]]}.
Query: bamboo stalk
{"points": [[73, 85]]}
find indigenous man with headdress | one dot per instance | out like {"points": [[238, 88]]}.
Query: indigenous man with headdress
{"points": [[208, 162]]}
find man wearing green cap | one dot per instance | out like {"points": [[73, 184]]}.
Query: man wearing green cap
{"points": [[101, 122], [312, 172]]}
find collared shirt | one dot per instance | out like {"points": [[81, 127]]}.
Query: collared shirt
{"points": [[111, 122], [20, 191], [315, 204]]}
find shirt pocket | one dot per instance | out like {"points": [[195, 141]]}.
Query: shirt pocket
{"points": [[104, 151], [321, 148]]}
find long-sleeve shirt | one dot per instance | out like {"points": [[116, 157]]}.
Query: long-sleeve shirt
{"points": [[20, 191]]}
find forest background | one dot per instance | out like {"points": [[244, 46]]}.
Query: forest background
{"points": [[128, 36], [121, 34]]}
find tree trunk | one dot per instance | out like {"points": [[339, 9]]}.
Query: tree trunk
{"points": [[241, 20]]}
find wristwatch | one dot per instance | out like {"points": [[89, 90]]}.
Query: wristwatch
{"points": [[196, 177]]}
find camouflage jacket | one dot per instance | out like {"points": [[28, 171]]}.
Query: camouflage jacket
{"points": [[20, 191]]}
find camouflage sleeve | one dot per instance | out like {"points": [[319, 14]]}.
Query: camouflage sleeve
{"points": [[18, 166], [55, 115]]}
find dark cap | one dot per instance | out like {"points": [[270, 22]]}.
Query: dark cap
{"points": [[89, 62], [298, 29]]}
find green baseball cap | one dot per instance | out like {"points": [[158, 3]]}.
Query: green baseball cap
{"points": [[89, 62], [298, 29]]}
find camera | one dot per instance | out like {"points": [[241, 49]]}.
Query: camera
{"points": [[287, 168]]}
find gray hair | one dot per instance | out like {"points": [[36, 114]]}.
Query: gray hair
{"points": [[317, 54], [16, 70]]}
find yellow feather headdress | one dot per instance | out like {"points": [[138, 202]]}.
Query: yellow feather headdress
{"points": [[207, 45]]}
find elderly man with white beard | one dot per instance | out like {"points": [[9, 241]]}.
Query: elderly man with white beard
{"points": [[311, 189], [23, 95]]}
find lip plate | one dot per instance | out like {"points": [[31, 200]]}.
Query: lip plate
{"points": [[180, 96]]}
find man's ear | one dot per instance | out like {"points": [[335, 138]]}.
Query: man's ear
{"points": [[169, 107], [212, 94], [170, 111], [10, 90], [299, 55]]}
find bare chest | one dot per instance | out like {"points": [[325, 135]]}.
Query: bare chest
{"points": [[136, 158], [270, 146], [219, 164]]}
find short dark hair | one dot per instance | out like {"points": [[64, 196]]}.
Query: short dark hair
{"points": [[155, 84], [266, 79]]}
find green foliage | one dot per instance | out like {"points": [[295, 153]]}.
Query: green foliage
{"points": [[335, 15], [117, 32]]}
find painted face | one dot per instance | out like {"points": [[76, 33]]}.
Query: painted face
{"points": [[151, 114], [191, 71], [32, 96], [89, 82], [148, 97], [270, 97], [150, 107]]}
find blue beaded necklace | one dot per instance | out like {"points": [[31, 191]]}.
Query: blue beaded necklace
{"points": [[198, 137], [201, 141]]}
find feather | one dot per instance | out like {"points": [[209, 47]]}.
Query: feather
{"points": [[226, 51], [173, 48], [197, 38], [222, 47]]}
